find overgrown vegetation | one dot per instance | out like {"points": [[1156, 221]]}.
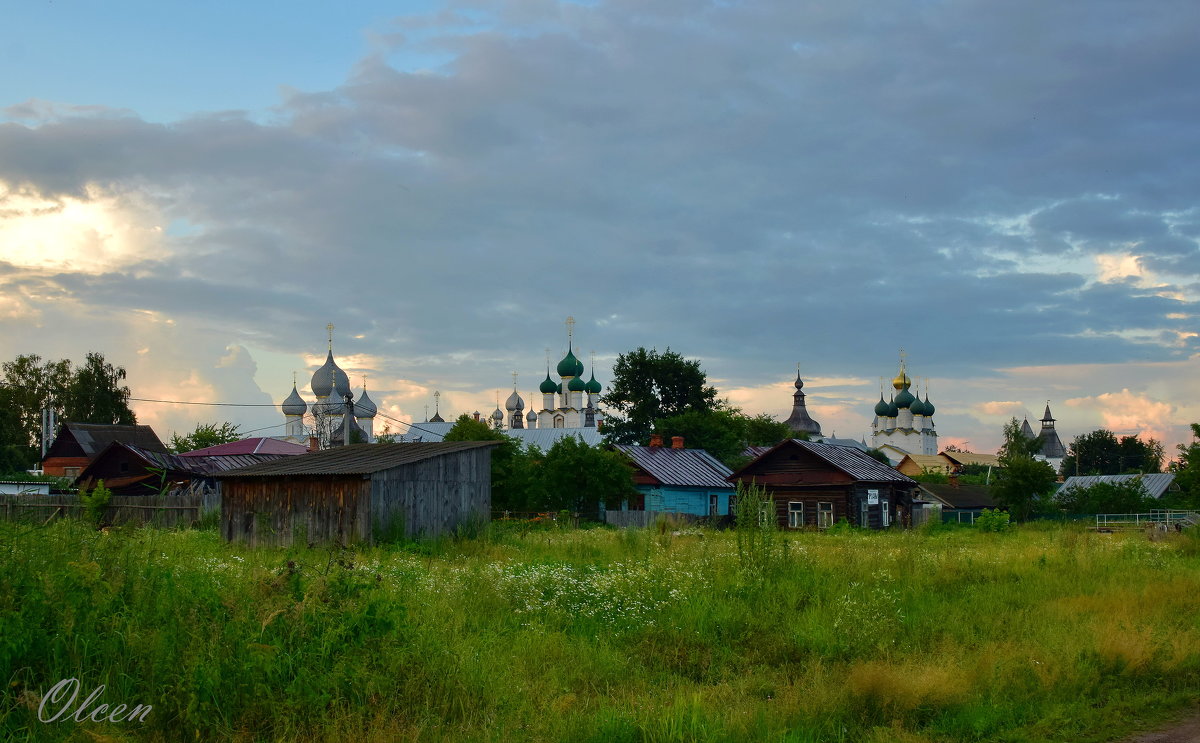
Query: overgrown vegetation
{"points": [[1049, 634]]}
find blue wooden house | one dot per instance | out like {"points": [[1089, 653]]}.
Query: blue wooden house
{"points": [[677, 480]]}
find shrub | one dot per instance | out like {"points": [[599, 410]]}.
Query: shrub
{"points": [[992, 519], [95, 503]]}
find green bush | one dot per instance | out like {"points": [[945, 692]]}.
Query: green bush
{"points": [[993, 520]]}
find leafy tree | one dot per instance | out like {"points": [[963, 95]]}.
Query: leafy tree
{"points": [[879, 455], [205, 435], [386, 436], [1022, 482], [764, 430], [96, 395], [1102, 453], [1107, 497], [1187, 475], [648, 386], [27, 386], [579, 477]]}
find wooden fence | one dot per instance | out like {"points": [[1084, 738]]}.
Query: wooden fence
{"points": [[159, 510]]}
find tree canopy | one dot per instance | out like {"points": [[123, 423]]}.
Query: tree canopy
{"points": [[1102, 453], [204, 436], [725, 434], [91, 393], [648, 386], [1022, 482], [1187, 475]]}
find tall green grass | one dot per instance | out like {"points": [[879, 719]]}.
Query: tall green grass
{"points": [[1037, 634]]}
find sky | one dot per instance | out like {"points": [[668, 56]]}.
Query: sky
{"points": [[1008, 192]]}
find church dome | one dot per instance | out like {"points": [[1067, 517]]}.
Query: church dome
{"points": [[531, 416], [558, 388], [330, 379], [570, 366], [893, 409], [902, 382], [593, 386], [514, 402], [917, 407], [294, 404], [365, 407], [548, 386], [905, 398], [881, 407], [577, 384], [497, 415], [928, 405]]}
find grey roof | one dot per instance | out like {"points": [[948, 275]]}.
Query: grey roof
{"points": [[203, 464], [1155, 483], [960, 496], [694, 468], [854, 462], [851, 443], [356, 459], [93, 438]]}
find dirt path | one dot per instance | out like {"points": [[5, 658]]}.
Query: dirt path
{"points": [[1184, 731]]}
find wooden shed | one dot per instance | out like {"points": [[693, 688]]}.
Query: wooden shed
{"points": [[815, 484], [362, 492]]}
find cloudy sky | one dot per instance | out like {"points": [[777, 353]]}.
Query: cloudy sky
{"points": [[1008, 191]]}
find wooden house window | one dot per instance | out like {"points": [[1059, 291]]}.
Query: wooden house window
{"points": [[713, 502], [884, 516], [864, 514], [71, 471], [795, 514], [824, 515]]}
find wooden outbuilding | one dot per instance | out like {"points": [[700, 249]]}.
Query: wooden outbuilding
{"points": [[77, 444], [815, 484], [359, 493]]}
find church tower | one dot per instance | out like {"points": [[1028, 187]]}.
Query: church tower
{"points": [[800, 421], [905, 422]]}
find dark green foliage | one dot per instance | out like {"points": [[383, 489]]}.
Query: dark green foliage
{"points": [[1102, 453], [578, 477], [991, 519], [205, 435], [1022, 483], [93, 393], [95, 502], [724, 433], [648, 386], [1107, 497], [1187, 475], [879, 455]]}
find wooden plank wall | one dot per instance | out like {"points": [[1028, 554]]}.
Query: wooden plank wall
{"points": [[646, 519], [433, 497], [165, 510], [279, 511]]}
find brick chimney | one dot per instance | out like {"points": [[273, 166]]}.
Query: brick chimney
{"points": [[656, 439], [676, 442], [313, 444]]}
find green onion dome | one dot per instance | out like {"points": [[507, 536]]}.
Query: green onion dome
{"points": [[548, 387], [577, 384], [593, 386], [905, 399], [893, 409], [928, 405], [570, 366], [558, 388], [917, 407], [881, 407]]}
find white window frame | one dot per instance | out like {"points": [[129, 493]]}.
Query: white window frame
{"points": [[885, 518], [795, 515], [766, 513], [714, 504], [824, 515]]}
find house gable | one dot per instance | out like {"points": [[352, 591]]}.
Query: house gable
{"points": [[790, 464]]}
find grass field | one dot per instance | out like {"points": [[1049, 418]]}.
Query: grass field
{"points": [[1040, 634]]}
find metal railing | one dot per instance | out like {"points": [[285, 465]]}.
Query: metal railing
{"points": [[1155, 517]]}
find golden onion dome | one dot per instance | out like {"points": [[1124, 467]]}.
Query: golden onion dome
{"points": [[902, 382]]}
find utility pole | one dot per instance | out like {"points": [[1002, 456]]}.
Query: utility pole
{"points": [[346, 423]]}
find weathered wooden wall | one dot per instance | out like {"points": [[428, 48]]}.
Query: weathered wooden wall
{"points": [[281, 510], [164, 510], [646, 519], [434, 496]]}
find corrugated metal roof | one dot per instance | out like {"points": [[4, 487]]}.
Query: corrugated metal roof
{"points": [[1155, 483], [94, 437], [201, 465], [853, 462], [256, 445], [682, 467], [356, 459]]}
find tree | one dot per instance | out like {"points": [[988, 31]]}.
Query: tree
{"points": [[648, 386], [1022, 482], [205, 435], [579, 477], [1102, 453], [1187, 475], [724, 433], [96, 395]]}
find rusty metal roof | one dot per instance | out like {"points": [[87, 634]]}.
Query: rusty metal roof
{"points": [[693, 468], [356, 459]]}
